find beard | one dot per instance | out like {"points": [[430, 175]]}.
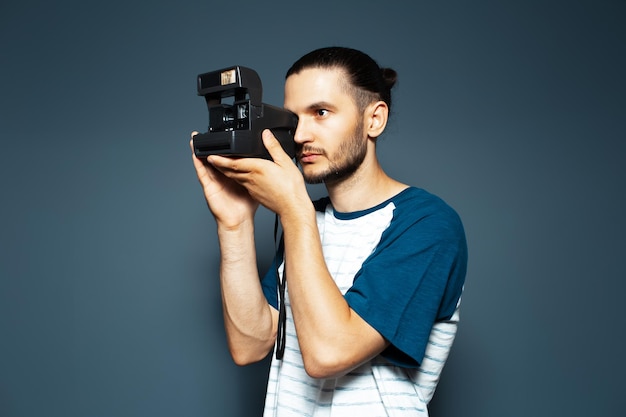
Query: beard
{"points": [[344, 162]]}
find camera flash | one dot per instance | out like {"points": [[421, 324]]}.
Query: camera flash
{"points": [[229, 77]]}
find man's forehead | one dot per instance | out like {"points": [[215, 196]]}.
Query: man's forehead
{"points": [[315, 84]]}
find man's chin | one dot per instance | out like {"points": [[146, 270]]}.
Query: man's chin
{"points": [[314, 179], [313, 176]]}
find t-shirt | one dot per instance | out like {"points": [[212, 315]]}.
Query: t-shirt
{"points": [[401, 266]]}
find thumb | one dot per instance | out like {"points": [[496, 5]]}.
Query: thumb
{"points": [[274, 148]]}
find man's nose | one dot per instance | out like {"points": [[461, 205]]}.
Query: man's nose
{"points": [[302, 134]]}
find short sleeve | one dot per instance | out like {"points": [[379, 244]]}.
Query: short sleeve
{"points": [[269, 283], [414, 278]]}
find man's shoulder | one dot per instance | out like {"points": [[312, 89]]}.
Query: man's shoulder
{"points": [[414, 198], [416, 206]]}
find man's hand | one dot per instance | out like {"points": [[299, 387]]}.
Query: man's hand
{"points": [[277, 184], [229, 202]]}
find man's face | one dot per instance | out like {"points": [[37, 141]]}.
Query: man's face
{"points": [[330, 137]]}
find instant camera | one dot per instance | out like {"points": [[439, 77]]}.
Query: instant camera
{"points": [[237, 117]]}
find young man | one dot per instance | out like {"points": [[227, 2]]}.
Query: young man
{"points": [[374, 273]]}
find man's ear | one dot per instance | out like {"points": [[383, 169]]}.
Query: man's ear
{"points": [[376, 116]]}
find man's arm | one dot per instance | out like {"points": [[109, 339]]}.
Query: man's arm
{"points": [[333, 338], [249, 321]]}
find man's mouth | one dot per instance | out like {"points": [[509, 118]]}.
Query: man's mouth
{"points": [[309, 155], [307, 158]]}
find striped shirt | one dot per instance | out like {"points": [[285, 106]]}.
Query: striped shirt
{"points": [[401, 266]]}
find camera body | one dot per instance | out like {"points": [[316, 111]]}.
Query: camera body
{"points": [[237, 117]]}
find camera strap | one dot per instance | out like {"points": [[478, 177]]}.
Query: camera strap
{"points": [[281, 336]]}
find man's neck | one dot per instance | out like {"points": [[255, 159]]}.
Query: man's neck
{"points": [[364, 189]]}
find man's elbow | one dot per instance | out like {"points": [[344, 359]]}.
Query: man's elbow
{"points": [[243, 357], [325, 364], [247, 353], [327, 361]]}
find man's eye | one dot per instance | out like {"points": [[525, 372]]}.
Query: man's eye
{"points": [[322, 112]]}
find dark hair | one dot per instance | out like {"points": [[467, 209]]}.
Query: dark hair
{"points": [[368, 81]]}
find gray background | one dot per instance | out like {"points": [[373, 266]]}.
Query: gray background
{"points": [[514, 112]]}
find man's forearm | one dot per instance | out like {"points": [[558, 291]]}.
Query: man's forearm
{"points": [[248, 319], [332, 337]]}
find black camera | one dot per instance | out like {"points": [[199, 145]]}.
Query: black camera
{"points": [[237, 117]]}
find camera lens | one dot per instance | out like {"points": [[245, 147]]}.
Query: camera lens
{"points": [[221, 118]]}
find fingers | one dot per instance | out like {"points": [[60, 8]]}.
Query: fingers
{"points": [[240, 169], [206, 173], [232, 167], [194, 133]]}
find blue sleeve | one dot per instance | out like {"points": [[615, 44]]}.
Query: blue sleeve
{"points": [[269, 283], [270, 286], [413, 279]]}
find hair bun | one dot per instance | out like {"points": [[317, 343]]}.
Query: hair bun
{"points": [[390, 76]]}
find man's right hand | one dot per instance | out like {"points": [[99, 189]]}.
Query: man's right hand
{"points": [[230, 203]]}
